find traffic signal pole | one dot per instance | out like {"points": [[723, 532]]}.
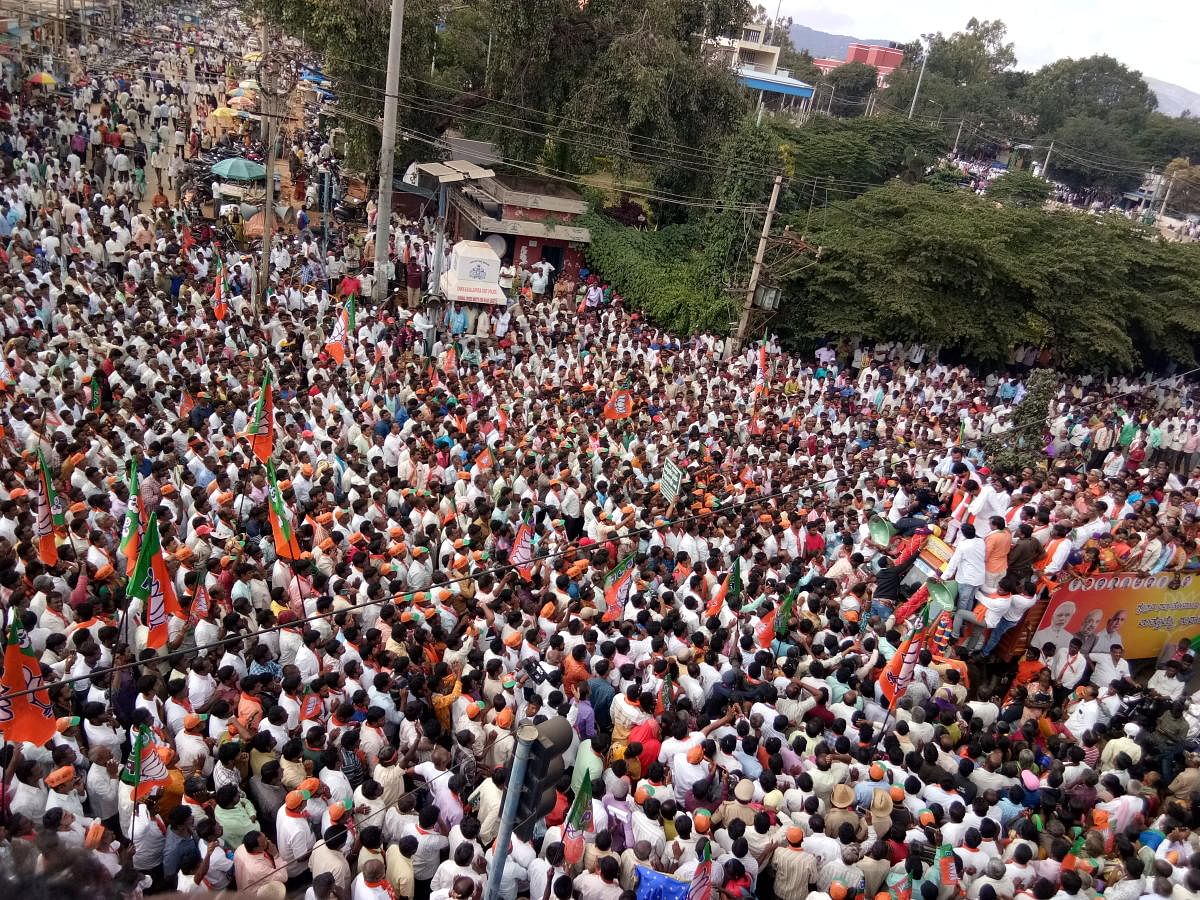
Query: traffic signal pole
{"points": [[508, 814]]}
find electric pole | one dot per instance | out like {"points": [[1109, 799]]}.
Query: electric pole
{"points": [[387, 151], [912, 107], [739, 338], [1167, 196], [1046, 162], [957, 136]]}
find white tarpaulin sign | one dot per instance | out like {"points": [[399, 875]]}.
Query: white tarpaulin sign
{"points": [[474, 275]]}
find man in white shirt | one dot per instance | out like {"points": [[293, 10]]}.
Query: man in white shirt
{"points": [[1109, 667], [968, 566]]}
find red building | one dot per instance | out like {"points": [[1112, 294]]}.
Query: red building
{"points": [[885, 59]]}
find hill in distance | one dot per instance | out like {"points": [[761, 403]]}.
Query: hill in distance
{"points": [[1173, 100], [822, 43]]}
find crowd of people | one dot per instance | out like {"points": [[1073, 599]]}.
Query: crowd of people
{"points": [[389, 548]]}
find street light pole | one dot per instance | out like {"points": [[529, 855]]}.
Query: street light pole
{"points": [[912, 107], [387, 150]]}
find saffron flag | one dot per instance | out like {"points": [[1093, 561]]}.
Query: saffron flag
{"points": [[29, 717], [766, 629], [261, 432], [619, 405], [485, 460], [898, 886], [343, 327], [186, 405], [730, 589], [220, 291], [450, 361], [521, 554], [58, 511], [502, 421], [579, 820], [618, 584], [286, 545], [47, 545], [701, 886], [943, 859], [131, 529], [151, 583], [898, 673], [145, 769]]}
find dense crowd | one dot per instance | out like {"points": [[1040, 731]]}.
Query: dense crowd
{"points": [[460, 526]]}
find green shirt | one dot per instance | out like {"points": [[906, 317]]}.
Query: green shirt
{"points": [[237, 822]]}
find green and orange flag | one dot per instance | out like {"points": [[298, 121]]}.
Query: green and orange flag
{"points": [[286, 545], [30, 716], [151, 583]]}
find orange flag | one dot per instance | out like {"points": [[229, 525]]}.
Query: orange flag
{"points": [[47, 546], [619, 406], [261, 432], [766, 629], [485, 460], [450, 361], [29, 717], [898, 673]]}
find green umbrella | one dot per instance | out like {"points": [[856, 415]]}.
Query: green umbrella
{"points": [[238, 169]]}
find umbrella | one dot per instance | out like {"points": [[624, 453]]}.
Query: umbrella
{"points": [[43, 78], [238, 92], [239, 169], [250, 85], [252, 56], [223, 112], [243, 103]]}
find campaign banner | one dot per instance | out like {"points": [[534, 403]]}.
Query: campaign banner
{"points": [[1141, 612]]}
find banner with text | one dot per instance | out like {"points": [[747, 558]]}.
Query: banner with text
{"points": [[1144, 611]]}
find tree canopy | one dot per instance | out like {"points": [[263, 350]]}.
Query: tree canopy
{"points": [[956, 271]]}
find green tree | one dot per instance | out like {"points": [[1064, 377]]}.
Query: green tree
{"points": [[851, 85], [1019, 188], [1095, 87], [1088, 152], [968, 74], [351, 41], [1021, 446], [956, 271]]}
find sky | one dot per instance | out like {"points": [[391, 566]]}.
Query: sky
{"points": [[1154, 38]]}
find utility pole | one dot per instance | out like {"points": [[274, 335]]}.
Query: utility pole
{"points": [[739, 338], [1167, 196], [526, 735], [957, 136], [912, 107], [387, 150], [269, 108], [1046, 162]]}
